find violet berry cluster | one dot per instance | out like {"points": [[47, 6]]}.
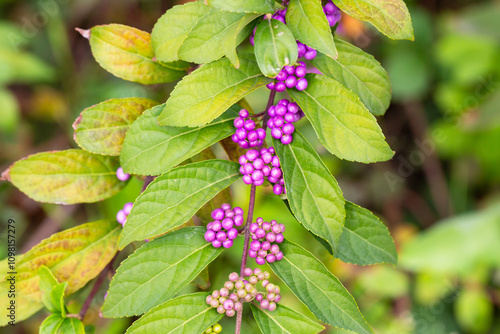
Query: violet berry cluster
{"points": [[246, 134], [290, 77], [281, 119], [229, 299], [121, 175], [122, 215], [216, 328], [332, 13], [222, 230], [265, 239], [256, 166]]}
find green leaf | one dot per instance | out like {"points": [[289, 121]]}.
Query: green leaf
{"points": [[75, 256], [284, 320], [235, 35], [203, 43], [152, 149], [173, 27], [51, 324], [343, 124], [127, 53], [206, 93], [275, 47], [361, 73], [318, 289], [365, 240], [66, 177], [390, 17], [174, 197], [52, 291], [101, 128], [245, 6], [183, 315], [307, 21], [165, 265], [313, 193], [56, 324]]}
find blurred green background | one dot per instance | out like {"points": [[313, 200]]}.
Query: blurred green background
{"points": [[439, 196]]}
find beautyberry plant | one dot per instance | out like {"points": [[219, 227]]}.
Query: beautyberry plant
{"points": [[336, 86]]}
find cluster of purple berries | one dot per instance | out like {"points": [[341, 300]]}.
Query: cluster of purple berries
{"points": [[257, 165], [222, 231], [246, 134], [122, 215], [332, 13], [266, 236], [281, 117], [290, 77], [229, 299], [121, 175], [305, 51]]}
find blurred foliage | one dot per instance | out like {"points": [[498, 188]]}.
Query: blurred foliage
{"points": [[446, 90]]}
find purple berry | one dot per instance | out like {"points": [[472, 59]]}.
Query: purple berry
{"points": [[276, 133], [264, 304], [289, 117], [252, 39], [257, 175], [271, 237], [280, 87], [276, 172], [127, 208], [238, 220], [301, 84], [329, 8], [121, 175], [227, 223], [221, 236], [272, 306], [254, 227], [300, 71], [275, 249], [241, 134], [276, 161], [239, 122], [255, 245], [267, 157], [209, 236], [270, 258], [261, 133], [243, 113], [259, 297], [227, 243], [258, 163], [242, 160], [252, 253], [233, 277], [260, 261], [266, 245], [286, 139], [252, 155], [262, 253], [266, 170], [121, 217], [247, 179], [249, 125], [232, 233], [279, 238], [237, 210], [278, 121], [266, 226], [278, 189], [217, 214], [271, 84], [275, 228], [282, 75], [259, 182], [280, 110], [293, 108], [310, 54], [279, 256], [291, 81], [290, 70], [260, 233], [301, 48], [247, 272], [216, 243], [280, 18], [228, 213]]}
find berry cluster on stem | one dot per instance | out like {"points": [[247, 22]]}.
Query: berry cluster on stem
{"points": [[256, 166], [281, 119], [222, 230], [246, 134], [239, 289], [266, 236]]}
